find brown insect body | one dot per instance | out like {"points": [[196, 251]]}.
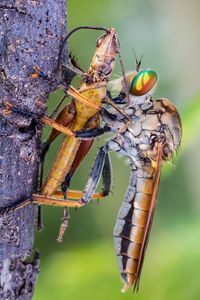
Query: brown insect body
{"points": [[85, 116]]}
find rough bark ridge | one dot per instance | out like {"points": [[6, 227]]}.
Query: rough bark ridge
{"points": [[30, 34]]}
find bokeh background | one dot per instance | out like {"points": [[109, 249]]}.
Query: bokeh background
{"points": [[84, 265]]}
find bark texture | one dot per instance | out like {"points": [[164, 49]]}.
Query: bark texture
{"points": [[31, 33]]}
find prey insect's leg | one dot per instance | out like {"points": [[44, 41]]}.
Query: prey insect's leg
{"points": [[9, 109], [66, 216], [64, 118], [82, 151], [39, 211], [55, 200], [71, 91], [76, 195], [65, 220]]}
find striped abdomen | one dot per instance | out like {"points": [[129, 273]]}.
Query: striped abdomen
{"points": [[131, 223]]}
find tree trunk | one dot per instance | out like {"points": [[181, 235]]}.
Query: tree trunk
{"points": [[31, 33]]}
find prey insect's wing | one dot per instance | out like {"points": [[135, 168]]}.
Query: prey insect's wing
{"points": [[149, 217]]}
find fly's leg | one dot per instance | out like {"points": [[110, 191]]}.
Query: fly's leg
{"points": [[121, 99], [101, 166], [107, 176], [94, 177], [92, 133]]}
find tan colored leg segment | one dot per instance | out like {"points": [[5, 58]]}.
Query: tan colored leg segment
{"points": [[57, 200]]}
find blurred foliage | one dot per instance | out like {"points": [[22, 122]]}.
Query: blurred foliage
{"points": [[84, 266], [90, 271]]}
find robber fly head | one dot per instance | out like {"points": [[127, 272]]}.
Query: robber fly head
{"points": [[140, 82]]}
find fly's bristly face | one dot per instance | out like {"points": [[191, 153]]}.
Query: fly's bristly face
{"points": [[140, 84]]}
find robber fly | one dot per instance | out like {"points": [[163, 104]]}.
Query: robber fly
{"points": [[152, 137]]}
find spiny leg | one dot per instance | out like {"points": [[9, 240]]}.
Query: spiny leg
{"points": [[66, 217], [64, 225], [101, 166], [55, 200], [92, 133], [68, 37], [107, 175], [65, 117], [9, 109], [95, 175], [69, 89], [76, 195], [96, 131]]}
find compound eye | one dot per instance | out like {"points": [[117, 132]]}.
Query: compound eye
{"points": [[143, 82], [99, 41]]}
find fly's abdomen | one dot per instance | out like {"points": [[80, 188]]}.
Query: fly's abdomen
{"points": [[131, 222]]}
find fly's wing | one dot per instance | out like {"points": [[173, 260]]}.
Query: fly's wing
{"points": [[150, 217]]}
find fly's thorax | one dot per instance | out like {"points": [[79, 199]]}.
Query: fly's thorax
{"points": [[160, 124], [171, 127]]}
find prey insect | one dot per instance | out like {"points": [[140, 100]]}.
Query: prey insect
{"points": [[153, 136], [83, 112]]}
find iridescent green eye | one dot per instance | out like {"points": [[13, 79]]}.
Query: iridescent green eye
{"points": [[143, 82]]}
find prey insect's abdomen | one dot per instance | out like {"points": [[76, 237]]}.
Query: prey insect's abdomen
{"points": [[131, 223]]}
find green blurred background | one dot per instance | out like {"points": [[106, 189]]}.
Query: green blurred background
{"points": [[84, 266]]}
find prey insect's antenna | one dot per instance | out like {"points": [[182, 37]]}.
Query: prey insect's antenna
{"points": [[70, 34], [126, 89], [137, 62]]}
